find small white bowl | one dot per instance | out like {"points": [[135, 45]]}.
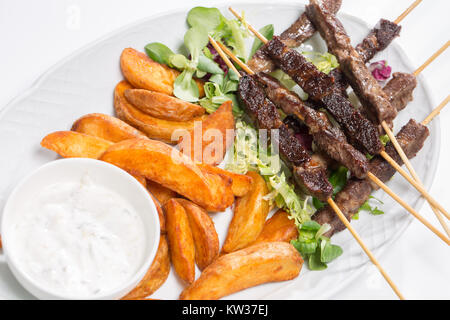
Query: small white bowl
{"points": [[102, 174]]}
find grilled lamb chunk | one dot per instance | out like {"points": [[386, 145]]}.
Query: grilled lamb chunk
{"points": [[300, 31], [400, 89], [327, 137], [378, 39], [411, 138], [309, 175], [352, 64]]}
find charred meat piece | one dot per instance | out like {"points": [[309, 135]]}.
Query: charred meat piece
{"points": [[320, 88], [352, 64], [309, 175], [411, 138], [400, 89], [301, 30], [327, 137], [378, 39]]}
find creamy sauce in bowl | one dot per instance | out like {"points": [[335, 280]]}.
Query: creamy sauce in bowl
{"points": [[78, 239]]}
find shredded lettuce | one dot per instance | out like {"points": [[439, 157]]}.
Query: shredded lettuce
{"points": [[249, 155], [325, 62]]}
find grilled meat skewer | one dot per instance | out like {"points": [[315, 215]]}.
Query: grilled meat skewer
{"points": [[322, 91], [411, 138], [310, 176], [327, 137], [300, 31], [352, 64]]}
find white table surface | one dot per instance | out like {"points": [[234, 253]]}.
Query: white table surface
{"points": [[35, 35]]}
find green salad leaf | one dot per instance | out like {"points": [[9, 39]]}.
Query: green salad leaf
{"points": [[315, 247], [159, 52], [267, 31], [325, 62], [206, 18]]}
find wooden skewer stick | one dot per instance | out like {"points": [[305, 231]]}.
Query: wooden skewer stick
{"points": [[220, 50], [405, 159], [432, 58], [387, 157], [407, 11], [436, 111], [364, 247]]}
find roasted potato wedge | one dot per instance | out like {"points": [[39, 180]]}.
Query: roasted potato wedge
{"points": [[250, 213], [106, 127], [156, 275], [160, 192], [144, 73], [163, 106], [204, 233], [70, 144], [153, 127], [279, 228], [181, 242], [161, 215], [249, 267], [214, 142], [165, 165], [241, 183]]}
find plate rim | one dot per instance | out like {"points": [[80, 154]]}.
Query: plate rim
{"points": [[435, 138]]}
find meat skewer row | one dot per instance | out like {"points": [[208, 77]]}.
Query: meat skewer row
{"points": [[404, 157], [411, 138], [302, 29], [361, 80], [283, 57], [376, 41], [320, 88], [330, 201], [327, 137]]}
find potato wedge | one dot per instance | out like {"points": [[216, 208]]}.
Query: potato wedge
{"points": [[153, 127], [69, 144], [161, 215], [106, 127], [214, 141], [165, 165], [279, 228], [250, 213], [241, 184], [249, 267], [156, 275], [181, 242], [204, 233], [144, 73], [163, 106], [160, 192]]}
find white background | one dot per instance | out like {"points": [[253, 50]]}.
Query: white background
{"points": [[35, 35]]}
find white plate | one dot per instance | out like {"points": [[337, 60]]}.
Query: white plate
{"points": [[83, 83]]}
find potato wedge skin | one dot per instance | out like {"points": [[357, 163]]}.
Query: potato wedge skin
{"points": [[181, 242], [153, 127], [156, 275], [216, 123], [161, 215], [106, 127], [160, 192], [249, 267], [206, 240], [69, 144], [165, 165], [250, 214], [241, 184], [144, 73], [163, 106], [279, 228]]}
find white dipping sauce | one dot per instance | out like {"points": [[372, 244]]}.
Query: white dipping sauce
{"points": [[78, 239]]}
